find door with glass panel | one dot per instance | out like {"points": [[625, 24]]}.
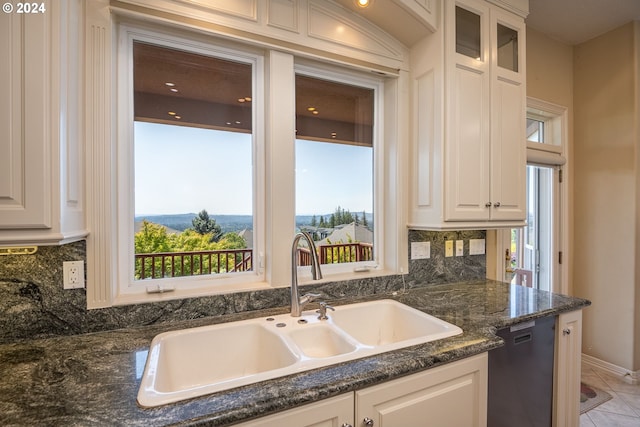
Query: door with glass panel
{"points": [[534, 256]]}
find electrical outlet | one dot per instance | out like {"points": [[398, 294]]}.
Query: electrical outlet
{"points": [[448, 248], [73, 274], [476, 247], [459, 247], [420, 250]]}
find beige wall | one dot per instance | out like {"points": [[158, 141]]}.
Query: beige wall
{"points": [[598, 82], [605, 194]]}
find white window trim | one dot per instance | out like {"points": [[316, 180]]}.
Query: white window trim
{"points": [[130, 291], [104, 263], [323, 71]]}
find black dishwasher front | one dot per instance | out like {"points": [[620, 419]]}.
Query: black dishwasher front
{"points": [[521, 376]]}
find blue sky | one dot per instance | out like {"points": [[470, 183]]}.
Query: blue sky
{"points": [[182, 169]]}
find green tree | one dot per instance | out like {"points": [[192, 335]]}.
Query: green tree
{"points": [[364, 219], [152, 238], [203, 224], [342, 216], [314, 221]]}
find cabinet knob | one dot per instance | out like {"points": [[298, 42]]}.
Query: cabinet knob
{"points": [[346, 425], [487, 205], [566, 331], [367, 421], [496, 205]]}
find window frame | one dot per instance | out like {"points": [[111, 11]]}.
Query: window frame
{"points": [[339, 75], [127, 289], [555, 155], [273, 238]]}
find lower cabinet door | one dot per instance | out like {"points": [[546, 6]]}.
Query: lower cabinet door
{"points": [[333, 412], [453, 395]]}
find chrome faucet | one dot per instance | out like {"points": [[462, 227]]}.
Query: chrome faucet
{"points": [[297, 302]]}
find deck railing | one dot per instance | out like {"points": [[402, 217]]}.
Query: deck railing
{"points": [[177, 264]]}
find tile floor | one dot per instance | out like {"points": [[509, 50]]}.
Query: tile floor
{"points": [[621, 411]]}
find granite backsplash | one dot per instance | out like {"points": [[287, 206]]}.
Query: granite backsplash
{"points": [[33, 303]]}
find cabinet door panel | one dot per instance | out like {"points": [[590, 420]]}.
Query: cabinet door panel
{"points": [[24, 135], [333, 412], [453, 395], [566, 411], [467, 149], [508, 151]]}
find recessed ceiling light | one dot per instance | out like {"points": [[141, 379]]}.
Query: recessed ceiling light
{"points": [[241, 100], [178, 117], [238, 122], [170, 84], [363, 3], [311, 108], [173, 89], [228, 123], [171, 113], [247, 98]]}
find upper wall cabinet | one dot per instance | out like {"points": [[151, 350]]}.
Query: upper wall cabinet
{"points": [[40, 117], [469, 168]]}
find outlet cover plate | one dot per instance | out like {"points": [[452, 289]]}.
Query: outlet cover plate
{"points": [[73, 274], [420, 250]]}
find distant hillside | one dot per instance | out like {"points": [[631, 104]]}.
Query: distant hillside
{"points": [[181, 222], [228, 223]]}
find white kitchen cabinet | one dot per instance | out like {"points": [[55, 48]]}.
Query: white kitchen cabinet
{"points": [[40, 124], [333, 412], [566, 409], [469, 168], [453, 395]]}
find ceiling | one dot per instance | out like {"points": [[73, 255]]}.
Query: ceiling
{"points": [[576, 21], [569, 21]]}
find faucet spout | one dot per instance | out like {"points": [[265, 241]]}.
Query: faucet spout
{"points": [[297, 302]]}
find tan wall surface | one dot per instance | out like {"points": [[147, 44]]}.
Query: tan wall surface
{"points": [[605, 193]]}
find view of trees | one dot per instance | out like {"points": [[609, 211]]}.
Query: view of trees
{"points": [[202, 224], [340, 216], [154, 238], [206, 235]]}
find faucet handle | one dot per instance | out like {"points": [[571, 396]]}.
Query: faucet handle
{"points": [[323, 310], [307, 298]]}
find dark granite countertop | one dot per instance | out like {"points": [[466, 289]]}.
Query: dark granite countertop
{"points": [[93, 379]]}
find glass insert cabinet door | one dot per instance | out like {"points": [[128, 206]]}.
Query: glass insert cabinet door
{"points": [[507, 39], [468, 33], [469, 39]]}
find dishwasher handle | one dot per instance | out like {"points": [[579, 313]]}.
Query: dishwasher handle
{"points": [[521, 339]]}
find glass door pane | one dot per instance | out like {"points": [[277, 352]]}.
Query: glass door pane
{"points": [[532, 247]]}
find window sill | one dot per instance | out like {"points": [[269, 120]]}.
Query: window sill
{"points": [[305, 280], [143, 297]]}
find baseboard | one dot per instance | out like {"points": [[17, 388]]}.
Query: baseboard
{"points": [[631, 377]]}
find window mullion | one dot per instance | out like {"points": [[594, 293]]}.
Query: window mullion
{"points": [[280, 174]]}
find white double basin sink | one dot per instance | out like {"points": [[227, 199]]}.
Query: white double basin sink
{"points": [[193, 362]]}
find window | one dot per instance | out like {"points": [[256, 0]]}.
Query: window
{"points": [[179, 102], [193, 164], [186, 156], [334, 168]]}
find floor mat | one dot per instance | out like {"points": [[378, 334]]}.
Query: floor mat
{"points": [[591, 396]]}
